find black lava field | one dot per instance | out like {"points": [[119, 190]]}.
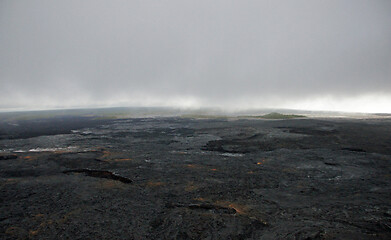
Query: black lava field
{"points": [[186, 178]]}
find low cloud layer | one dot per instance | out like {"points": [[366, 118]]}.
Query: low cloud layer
{"points": [[323, 55]]}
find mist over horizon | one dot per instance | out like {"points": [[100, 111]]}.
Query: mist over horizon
{"points": [[231, 55], [172, 119]]}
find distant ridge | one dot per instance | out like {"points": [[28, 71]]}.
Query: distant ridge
{"points": [[276, 115]]}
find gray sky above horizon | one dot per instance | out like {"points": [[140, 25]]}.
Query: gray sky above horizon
{"points": [[319, 55]]}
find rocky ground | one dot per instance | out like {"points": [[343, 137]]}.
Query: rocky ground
{"points": [[179, 178]]}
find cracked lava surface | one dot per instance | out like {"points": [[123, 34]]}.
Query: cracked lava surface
{"points": [[178, 178]]}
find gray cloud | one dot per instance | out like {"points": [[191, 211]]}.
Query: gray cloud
{"points": [[193, 53]]}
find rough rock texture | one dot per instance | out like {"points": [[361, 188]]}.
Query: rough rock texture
{"points": [[174, 178]]}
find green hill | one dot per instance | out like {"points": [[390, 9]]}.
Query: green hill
{"points": [[275, 115]]}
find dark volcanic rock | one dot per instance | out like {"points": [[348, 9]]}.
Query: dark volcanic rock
{"points": [[231, 146], [8, 157], [354, 149], [195, 179], [209, 207], [100, 174]]}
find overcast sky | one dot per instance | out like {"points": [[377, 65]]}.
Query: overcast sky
{"points": [[322, 55]]}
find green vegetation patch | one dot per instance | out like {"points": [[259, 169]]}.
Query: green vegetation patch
{"points": [[203, 116], [275, 115]]}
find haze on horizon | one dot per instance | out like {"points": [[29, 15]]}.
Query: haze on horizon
{"points": [[303, 54]]}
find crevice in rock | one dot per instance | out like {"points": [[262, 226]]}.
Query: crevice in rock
{"points": [[8, 157], [100, 174], [209, 207], [353, 149]]}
